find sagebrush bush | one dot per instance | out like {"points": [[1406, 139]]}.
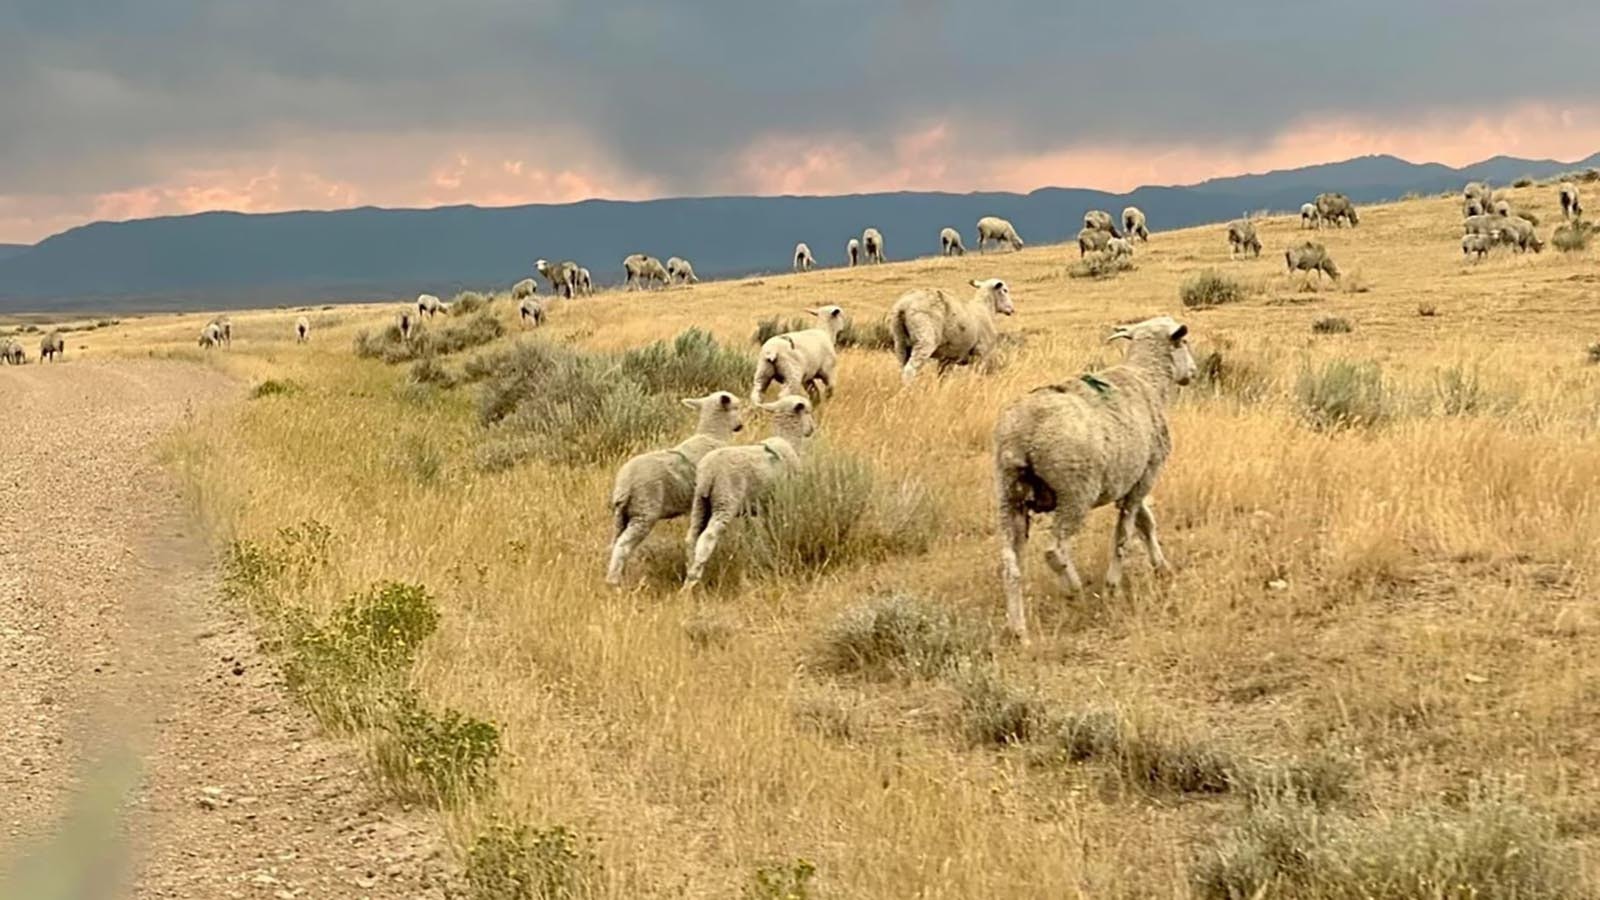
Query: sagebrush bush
{"points": [[1332, 325], [692, 364], [274, 387], [1459, 391], [468, 302], [771, 328], [429, 371], [781, 881], [1211, 288], [874, 336], [1592, 354], [1487, 848], [993, 711], [1234, 374], [426, 340], [895, 634], [517, 862], [1100, 265], [1572, 237], [349, 670], [1146, 755], [1343, 394], [1524, 181]]}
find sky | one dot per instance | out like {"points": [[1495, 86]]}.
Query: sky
{"points": [[119, 109]]}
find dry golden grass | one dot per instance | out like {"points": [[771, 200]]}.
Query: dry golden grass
{"points": [[1417, 597]]}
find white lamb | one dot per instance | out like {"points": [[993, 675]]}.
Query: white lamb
{"points": [[799, 359], [930, 324]]}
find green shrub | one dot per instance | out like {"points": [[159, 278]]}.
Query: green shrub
{"points": [[274, 387], [350, 670], [1332, 325], [1524, 181], [692, 364], [437, 757], [1211, 288], [1100, 265], [1488, 848], [468, 302], [427, 341], [771, 328], [893, 634], [781, 881], [1344, 394], [516, 862], [1147, 756], [876, 336]]}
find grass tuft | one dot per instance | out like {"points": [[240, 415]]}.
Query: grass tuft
{"points": [[1572, 237], [895, 634], [1100, 265], [1211, 288], [1344, 394], [274, 387], [1332, 325]]}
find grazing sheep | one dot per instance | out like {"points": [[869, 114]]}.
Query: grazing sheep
{"points": [[659, 485], [302, 330], [993, 229], [1092, 240], [527, 287], [1133, 224], [428, 305], [1482, 224], [1308, 216], [1242, 237], [583, 282], [872, 245], [1090, 441], [803, 260], [950, 242], [852, 252], [1310, 256], [1571, 204], [531, 311], [1101, 220], [1473, 206], [1119, 248], [680, 270], [407, 324], [930, 324], [1518, 232], [13, 353], [799, 359], [211, 335], [52, 345], [1502, 207], [729, 479], [563, 276], [1336, 209], [644, 272], [1479, 190], [1480, 244]]}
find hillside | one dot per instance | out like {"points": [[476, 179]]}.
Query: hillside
{"points": [[9, 250], [237, 260], [1376, 647]]}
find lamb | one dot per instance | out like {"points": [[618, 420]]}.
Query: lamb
{"points": [[563, 276], [680, 270], [531, 311], [407, 324], [1101, 220], [659, 485], [950, 242], [1308, 216], [644, 272], [1094, 440], [51, 346], [1092, 240], [930, 324], [1571, 205], [1133, 224], [302, 330], [993, 229], [1336, 209], [803, 260], [872, 244], [13, 353], [1119, 248], [429, 305], [1310, 256], [799, 359], [1480, 244], [527, 287], [852, 252], [729, 480], [211, 335], [1242, 237]]}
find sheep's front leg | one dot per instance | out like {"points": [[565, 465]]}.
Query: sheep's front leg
{"points": [[621, 549], [1063, 528]]}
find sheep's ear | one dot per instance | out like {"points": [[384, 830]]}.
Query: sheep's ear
{"points": [[813, 312], [975, 283], [1179, 333], [691, 402], [774, 406], [726, 400], [1119, 332]]}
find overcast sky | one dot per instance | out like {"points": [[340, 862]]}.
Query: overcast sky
{"points": [[129, 108]]}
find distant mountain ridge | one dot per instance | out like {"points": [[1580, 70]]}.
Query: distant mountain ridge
{"points": [[226, 259]]}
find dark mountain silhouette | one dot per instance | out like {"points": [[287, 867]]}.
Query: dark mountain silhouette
{"points": [[9, 250], [227, 259]]}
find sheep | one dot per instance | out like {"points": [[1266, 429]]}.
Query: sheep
{"points": [[563, 276], [872, 245], [1101, 220], [428, 305], [1473, 206], [659, 485], [950, 242], [1242, 237], [1119, 248], [1477, 189], [531, 311], [729, 479], [210, 335], [644, 272], [1482, 223], [13, 353], [1336, 209], [406, 322], [1502, 207], [852, 252], [680, 270], [1092, 240], [52, 345], [1133, 224], [1087, 442], [799, 359], [1308, 216], [583, 282], [803, 260], [527, 287], [302, 330], [1518, 232], [930, 324], [1480, 244], [1310, 256], [993, 229], [1571, 204]]}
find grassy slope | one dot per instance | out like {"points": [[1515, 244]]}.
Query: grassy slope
{"points": [[1437, 626]]}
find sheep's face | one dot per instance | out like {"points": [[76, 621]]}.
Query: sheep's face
{"points": [[1182, 360], [999, 295]]}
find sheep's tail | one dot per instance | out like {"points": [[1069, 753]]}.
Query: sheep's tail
{"points": [[901, 334]]}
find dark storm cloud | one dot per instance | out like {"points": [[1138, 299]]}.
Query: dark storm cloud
{"points": [[100, 96]]}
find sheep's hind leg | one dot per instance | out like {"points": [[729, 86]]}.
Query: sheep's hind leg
{"points": [[628, 541], [1119, 539], [1013, 542], [703, 548], [1059, 556], [1145, 520]]}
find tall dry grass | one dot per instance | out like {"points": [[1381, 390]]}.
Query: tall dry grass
{"points": [[1412, 592]]}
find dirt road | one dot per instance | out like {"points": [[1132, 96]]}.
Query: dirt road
{"points": [[146, 748]]}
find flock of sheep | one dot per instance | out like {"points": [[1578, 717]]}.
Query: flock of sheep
{"points": [[51, 346]]}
